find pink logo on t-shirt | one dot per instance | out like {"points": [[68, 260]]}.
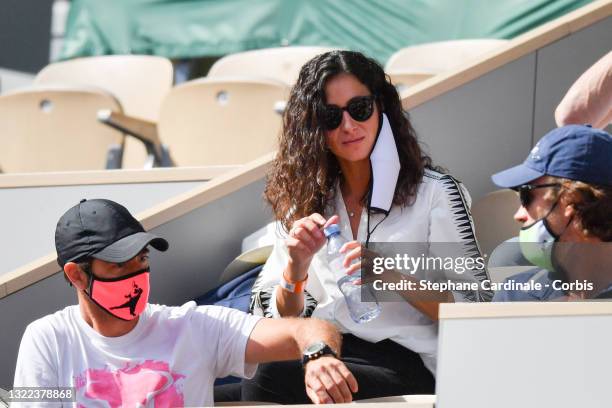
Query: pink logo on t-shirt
{"points": [[135, 385]]}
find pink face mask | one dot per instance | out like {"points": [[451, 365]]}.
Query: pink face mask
{"points": [[125, 297]]}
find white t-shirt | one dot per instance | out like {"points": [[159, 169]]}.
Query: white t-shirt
{"points": [[440, 213], [170, 358]]}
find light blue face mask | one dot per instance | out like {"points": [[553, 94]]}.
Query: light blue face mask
{"points": [[537, 242]]}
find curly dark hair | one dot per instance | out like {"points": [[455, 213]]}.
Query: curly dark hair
{"points": [[304, 174]]}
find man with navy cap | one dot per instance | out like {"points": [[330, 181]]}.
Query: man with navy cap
{"points": [[116, 349], [565, 189]]}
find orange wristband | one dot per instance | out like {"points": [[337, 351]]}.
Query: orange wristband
{"points": [[293, 287]]}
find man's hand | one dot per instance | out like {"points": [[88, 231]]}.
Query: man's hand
{"points": [[329, 380]]}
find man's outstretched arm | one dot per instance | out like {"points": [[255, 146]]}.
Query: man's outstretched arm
{"points": [[327, 379], [589, 99]]}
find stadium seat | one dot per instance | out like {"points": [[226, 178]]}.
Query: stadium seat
{"points": [[404, 80], [221, 121], [282, 64], [139, 82], [493, 219], [438, 57], [144, 131], [55, 129], [245, 262]]}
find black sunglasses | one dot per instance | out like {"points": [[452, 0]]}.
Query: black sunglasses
{"points": [[524, 191], [360, 108]]}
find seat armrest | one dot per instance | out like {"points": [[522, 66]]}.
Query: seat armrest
{"points": [[141, 129]]}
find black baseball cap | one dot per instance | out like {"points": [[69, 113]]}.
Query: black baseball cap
{"points": [[101, 229]]}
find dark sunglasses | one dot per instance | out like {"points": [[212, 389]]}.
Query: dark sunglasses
{"points": [[524, 191], [359, 108]]}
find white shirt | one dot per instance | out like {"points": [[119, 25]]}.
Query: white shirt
{"points": [[438, 214], [170, 358]]}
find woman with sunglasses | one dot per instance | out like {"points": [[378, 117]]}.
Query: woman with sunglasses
{"points": [[323, 175]]}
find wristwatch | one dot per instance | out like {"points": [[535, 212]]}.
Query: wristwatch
{"points": [[316, 350]]}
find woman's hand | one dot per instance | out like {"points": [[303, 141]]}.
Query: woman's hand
{"points": [[305, 239], [352, 259], [357, 257]]}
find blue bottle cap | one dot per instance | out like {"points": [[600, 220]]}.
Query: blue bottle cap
{"points": [[331, 230]]}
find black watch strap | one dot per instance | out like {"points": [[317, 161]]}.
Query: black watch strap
{"points": [[325, 350]]}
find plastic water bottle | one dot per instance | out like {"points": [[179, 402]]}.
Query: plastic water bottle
{"points": [[361, 312]]}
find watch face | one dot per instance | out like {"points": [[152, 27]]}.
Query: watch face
{"points": [[314, 348]]}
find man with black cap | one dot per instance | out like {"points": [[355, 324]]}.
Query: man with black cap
{"points": [[115, 349], [565, 189]]}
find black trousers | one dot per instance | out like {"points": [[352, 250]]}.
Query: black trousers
{"points": [[381, 369]]}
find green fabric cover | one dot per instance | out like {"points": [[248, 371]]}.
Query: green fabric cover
{"points": [[196, 28]]}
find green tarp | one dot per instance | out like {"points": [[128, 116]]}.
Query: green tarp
{"points": [[197, 28]]}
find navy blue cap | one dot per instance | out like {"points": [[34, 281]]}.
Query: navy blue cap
{"points": [[575, 152]]}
